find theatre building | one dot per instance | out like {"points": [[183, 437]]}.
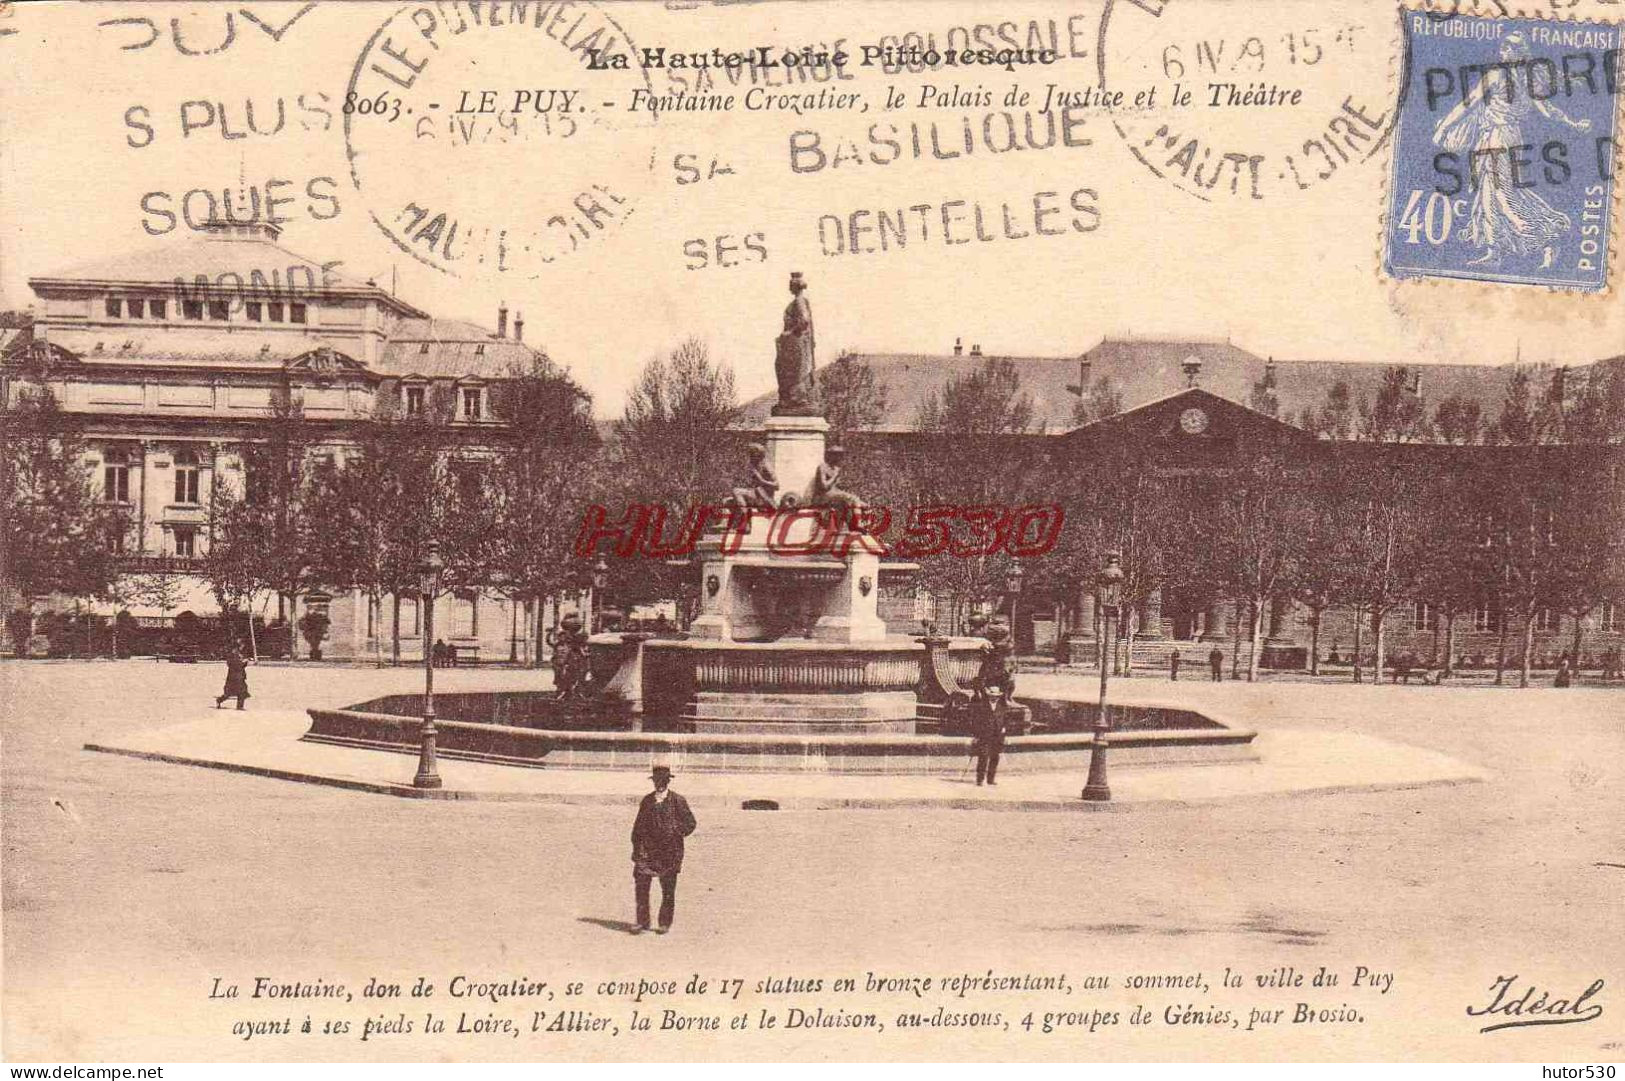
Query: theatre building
{"points": [[171, 359]]}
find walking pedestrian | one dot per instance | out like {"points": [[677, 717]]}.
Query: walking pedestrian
{"points": [[987, 742], [657, 848], [236, 678], [1565, 673], [1215, 663], [1173, 664]]}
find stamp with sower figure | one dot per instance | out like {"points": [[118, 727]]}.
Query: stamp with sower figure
{"points": [[1506, 151]]}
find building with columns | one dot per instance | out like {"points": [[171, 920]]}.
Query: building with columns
{"points": [[172, 358]]}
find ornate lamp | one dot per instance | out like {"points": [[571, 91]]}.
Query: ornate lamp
{"points": [[600, 579], [430, 572], [1012, 587], [1109, 594]]}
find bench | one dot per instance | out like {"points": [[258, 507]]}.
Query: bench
{"points": [[461, 654]]}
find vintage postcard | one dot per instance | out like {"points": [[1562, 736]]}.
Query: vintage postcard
{"points": [[1032, 530]]}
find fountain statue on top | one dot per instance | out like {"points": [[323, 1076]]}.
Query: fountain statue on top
{"points": [[796, 363]]}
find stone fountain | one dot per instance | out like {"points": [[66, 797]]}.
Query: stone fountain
{"points": [[788, 666], [789, 637]]}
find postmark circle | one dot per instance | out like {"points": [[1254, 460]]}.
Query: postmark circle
{"points": [[483, 145], [1251, 108]]}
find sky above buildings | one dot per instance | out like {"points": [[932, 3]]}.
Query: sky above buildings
{"points": [[1077, 242]]}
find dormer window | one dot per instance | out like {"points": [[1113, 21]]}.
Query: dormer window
{"points": [[414, 398], [479, 350], [114, 307], [425, 348], [473, 402]]}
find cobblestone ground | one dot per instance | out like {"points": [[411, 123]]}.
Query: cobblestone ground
{"points": [[129, 886]]}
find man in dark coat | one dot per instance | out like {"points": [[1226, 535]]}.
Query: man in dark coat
{"points": [[236, 678], [657, 848], [987, 732], [1215, 663]]}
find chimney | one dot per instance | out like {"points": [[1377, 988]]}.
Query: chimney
{"points": [[976, 350], [959, 346], [1269, 373], [518, 326], [502, 320], [1084, 367], [1193, 369]]}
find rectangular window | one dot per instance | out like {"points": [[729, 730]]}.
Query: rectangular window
{"points": [[1546, 620], [1486, 619], [471, 403], [185, 542], [252, 310], [186, 486], [479, 350], [137, 308], [113, 307], [159, 308], [464, 620], [273, 311], [424, 348], [220, 309], [1424, 617], [296, 313], [116, 484], [1608, 617], [192, 309], [414, 401]]}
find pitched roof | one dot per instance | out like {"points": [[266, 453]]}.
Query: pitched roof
{"points": [[211, 254], [451, 348], [1144, 370], [200, 346]]}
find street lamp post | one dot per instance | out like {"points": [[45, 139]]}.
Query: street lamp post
{"points": [[1109, 588], [428, 775], [600, 579], [1012, 586]]}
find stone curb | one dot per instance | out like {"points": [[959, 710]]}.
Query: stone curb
{"points": [[794, 803]]}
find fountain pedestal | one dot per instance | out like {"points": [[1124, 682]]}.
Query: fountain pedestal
{"points": [[789, 637]]}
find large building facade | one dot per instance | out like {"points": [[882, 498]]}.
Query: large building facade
{"points": [[171, 360]]}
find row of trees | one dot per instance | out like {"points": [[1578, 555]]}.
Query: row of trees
{"points": [[1539, 406], [1364, 528]]}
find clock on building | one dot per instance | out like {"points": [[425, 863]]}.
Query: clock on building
{"points": [[1193, 421]]}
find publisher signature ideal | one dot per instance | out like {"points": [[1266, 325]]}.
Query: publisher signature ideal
{"points": [[1516, 1005]]}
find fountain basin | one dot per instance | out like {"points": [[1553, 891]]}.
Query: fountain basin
{"points": [[1145, 735]]}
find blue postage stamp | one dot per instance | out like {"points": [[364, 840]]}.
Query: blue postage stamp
{"points": [[1505, 151]]}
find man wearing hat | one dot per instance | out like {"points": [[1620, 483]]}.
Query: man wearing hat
{"points": [[657, 848]]}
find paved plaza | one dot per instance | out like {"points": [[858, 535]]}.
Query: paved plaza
{"points": [[123, 873]]}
